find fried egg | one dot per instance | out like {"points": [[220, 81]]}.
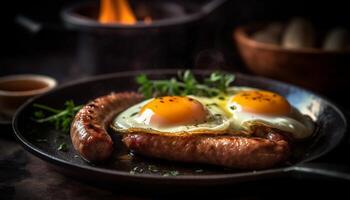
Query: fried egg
{"points": [[236, 112], [259, 107], [173, 115]]}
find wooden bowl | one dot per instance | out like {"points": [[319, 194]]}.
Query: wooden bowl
{"points": [[316, 69]]}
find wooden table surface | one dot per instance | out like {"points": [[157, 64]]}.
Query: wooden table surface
{"points": [[24, 176]]}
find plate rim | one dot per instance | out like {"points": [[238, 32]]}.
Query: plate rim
{"points": [[251, 173]]}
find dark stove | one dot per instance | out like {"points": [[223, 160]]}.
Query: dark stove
{"points": [[168, 41]]}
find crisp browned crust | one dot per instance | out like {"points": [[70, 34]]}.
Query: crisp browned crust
{"points": [[224, 150], [88, 130]]}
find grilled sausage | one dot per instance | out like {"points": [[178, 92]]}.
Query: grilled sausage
{"points": [[88, 130], [230, 151]]}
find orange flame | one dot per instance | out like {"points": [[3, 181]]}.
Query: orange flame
{"points": [[116, 11]]}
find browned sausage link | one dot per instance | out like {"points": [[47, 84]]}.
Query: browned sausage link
{"points": [[230, 151], [88, 130]]}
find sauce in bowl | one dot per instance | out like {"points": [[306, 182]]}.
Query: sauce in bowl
{"points": [[16, 89], [22, 85]]}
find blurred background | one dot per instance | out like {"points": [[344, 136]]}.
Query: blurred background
{"points": [[296, 41], [46, 37]]}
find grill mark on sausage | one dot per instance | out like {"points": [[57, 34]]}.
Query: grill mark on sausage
{"points": [[230, 151], [88, 131]]}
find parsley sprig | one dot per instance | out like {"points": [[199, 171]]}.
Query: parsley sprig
{"points": [[185, 84], [60, 118]]}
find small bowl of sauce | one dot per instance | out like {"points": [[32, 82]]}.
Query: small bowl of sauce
{"points": [[16, 89]]}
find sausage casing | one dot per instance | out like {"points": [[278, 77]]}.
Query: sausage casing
{"points": [[89, 127]]}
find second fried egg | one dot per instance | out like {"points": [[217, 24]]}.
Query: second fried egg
{"points": [[258, 107]]}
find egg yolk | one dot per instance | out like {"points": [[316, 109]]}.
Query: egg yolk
{"points": [[174, 110], [262, 102]]}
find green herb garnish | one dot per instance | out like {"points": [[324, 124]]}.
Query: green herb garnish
{"points": [[152, 168], [171, 173], [63, 147], [233, 107], [60, 118], [39, 114], [211, 104], [135, 170], [185, 84]]}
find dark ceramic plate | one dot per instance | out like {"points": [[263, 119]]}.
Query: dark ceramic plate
{"points": [[43, 140]]}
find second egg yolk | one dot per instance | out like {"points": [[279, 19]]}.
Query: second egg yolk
{"points": [[262, 102]]}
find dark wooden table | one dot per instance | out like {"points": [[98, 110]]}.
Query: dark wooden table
{"points": [[24, 176]]}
